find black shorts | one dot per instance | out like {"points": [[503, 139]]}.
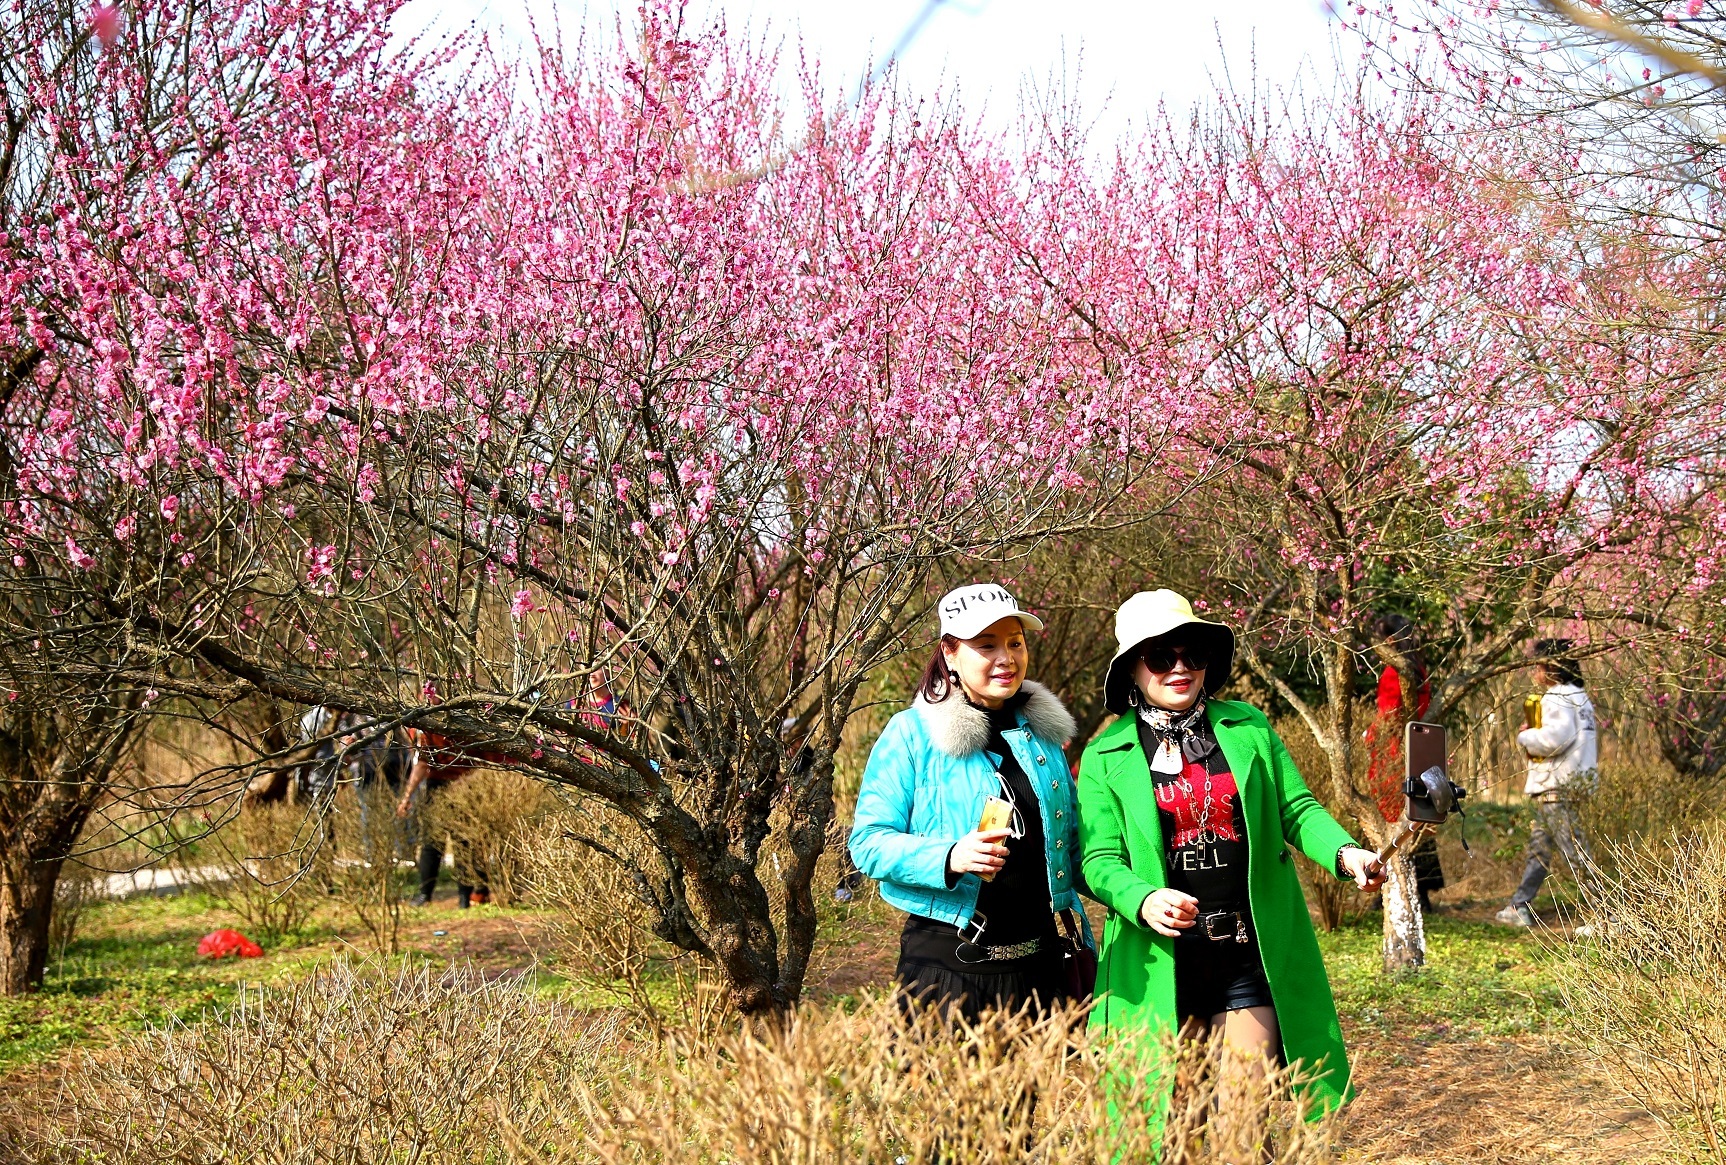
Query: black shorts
{"points": [[1214, 977]]}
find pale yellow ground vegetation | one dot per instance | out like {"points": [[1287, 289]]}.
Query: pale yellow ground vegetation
{"points": [[1645, 988], [640, 1060], [359, 1066]]}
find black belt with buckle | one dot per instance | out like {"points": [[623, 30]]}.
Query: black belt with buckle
{"points": [[992, 954], [1222, 925], [1000, 954]]}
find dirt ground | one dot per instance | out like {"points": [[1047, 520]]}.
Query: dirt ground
{"points": [[494, 941], [1496, 1102]]}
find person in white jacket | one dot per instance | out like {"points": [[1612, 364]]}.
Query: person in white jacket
{"points": [[1563, 752]]}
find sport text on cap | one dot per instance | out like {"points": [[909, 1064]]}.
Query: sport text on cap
{"points": [[967, 610]]}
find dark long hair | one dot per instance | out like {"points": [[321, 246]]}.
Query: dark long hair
{"points": [[936, 685], [1555, 654], [1405, 641]]}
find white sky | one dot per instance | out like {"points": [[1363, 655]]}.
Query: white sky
{"points": [[1120, 57]]}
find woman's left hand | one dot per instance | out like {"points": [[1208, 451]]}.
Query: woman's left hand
{"points": [[1363, 866]]}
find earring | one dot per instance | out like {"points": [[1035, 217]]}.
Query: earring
{"points": [[1133, 697], [952, 677]]}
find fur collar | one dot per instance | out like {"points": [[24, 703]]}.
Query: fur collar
{"points": [[958, 729]]}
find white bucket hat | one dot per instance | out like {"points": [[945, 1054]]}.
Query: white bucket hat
{"points": [[967, 610], [1151, 615]]}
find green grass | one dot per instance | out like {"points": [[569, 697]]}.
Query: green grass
{"points": [[135, 963], [1479, 980], [132, 964]]}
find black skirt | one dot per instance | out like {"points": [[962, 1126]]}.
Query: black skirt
{"points": [[935, 977]]}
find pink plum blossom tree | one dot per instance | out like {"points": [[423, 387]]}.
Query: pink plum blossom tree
{"points": [[119, 123], [598, 425], [601, 417], [1614, 106]]}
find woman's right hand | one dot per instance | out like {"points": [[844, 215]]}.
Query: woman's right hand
{"points": [[979, 852], [1168, 912]]}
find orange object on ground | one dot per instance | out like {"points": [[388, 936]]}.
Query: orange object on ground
{"points": [[221, 944]]}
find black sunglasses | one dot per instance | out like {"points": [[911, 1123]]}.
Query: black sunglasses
{"points": [[1160, 657]]}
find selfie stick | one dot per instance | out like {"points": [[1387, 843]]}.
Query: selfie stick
{"points": [[1411, 830]]}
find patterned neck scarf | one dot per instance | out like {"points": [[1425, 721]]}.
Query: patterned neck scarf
{"points": [[1181, 736]]}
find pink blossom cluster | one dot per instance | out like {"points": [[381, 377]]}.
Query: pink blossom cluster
{"points": [[287, 283], [395, 333]]}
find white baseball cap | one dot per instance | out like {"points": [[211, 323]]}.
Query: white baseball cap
{"points": [[967, 610]]}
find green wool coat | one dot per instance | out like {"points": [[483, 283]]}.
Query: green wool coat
{"points": [[1121, 838]]}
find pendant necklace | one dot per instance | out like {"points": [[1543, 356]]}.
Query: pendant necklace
{"points": [[1205, 830], [1168, 759]]}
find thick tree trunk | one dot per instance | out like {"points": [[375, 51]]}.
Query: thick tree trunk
{"points": [[26, 908], [742, 937], [763, 964], [811, 815], [54, 768], [763, 959], [1404, 928]]}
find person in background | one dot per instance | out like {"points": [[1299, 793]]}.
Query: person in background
{"points": [[436, 766], [315, 779], [379, 764], [981, 904], [1385, 745], [601, 709], [604, 711], [1563, 753]]}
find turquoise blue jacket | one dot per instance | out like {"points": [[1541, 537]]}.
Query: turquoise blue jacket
{"points": [[924, 788]]}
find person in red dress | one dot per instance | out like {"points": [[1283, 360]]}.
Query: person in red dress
{"points": [[1384, 747]]}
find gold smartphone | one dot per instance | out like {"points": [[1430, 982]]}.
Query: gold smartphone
{"points": [[1531, 711], [997, 814]]}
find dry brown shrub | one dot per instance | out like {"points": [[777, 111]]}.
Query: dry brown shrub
{"points": [[1639, 795], [488, 815], [267, 866], [347, 1066], [865, 1086], [577, 861], [364, 874], [358, 1067], [1645, 987]]}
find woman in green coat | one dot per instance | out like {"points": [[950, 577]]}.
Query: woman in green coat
{"points": [[1188, 808]]}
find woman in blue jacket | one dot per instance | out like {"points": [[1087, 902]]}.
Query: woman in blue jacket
{"points": [[982, 905]]}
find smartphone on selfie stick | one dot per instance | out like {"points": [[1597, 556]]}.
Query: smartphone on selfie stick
{"points": [[1430, 795]]}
